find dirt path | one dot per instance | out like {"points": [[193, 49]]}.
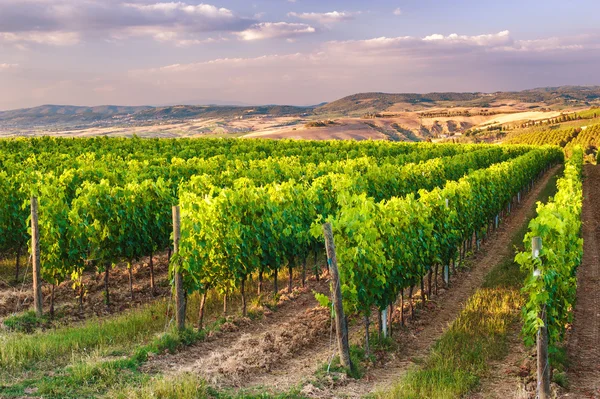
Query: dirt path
{"points": [[286, 348], [247, 348], [509, 377], [584, 340]]}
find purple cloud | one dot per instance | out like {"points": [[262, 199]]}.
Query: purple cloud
{"points": [[275, 30], [66, 22]]}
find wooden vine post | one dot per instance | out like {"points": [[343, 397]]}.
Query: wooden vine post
{"points": [[543, 365], [35, 258], [446, 266], [178, 280], [341, 327]]}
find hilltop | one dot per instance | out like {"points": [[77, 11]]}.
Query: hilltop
{"points": [[550, 97]]}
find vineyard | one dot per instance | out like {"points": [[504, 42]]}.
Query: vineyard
{"points": [[586, 137], [207, 237]]}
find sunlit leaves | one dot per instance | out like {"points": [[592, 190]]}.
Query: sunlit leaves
{"points": [[558, 223]]}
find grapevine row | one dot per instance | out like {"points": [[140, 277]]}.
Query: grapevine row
{"points": [[553, 285], [229, 234]]}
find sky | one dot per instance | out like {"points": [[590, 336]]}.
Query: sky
{"points": [[297, 52]]}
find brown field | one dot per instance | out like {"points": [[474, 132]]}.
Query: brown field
{"points": [[401, 122]]}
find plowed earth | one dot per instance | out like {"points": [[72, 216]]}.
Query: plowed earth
{"points": [[584, 340]]}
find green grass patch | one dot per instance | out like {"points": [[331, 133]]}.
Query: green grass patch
{"points": [[23, 351], [26, 322], [460, 357], [185, 386], [254, 393], [334, 369], [94, 376]]}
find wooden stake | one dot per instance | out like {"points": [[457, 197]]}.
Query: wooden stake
{"points": [[422, 289], [18, 263], [243, 291], [446, 275], [402, 307], [390, 319], [304, 271], [290, 276], [367, 347], [543, 365], [201, 311], [107, 267], [260, 281], [179, 293], [35, 256], [152, 285], [130, 272], [316, 267], [429, 277], [340, 319]]}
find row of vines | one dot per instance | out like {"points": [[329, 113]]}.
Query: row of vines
{"points": [[250, 207], [551, 283], [586, 137], [384, 246]]}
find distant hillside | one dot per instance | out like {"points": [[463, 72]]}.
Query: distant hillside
{"points": [[73, 116], [64, 114], [65, 117], [218, 111], [380, 102]]}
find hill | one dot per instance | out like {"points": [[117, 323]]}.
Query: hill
{"points": [[551, 97], [396, 116], [62, 116], [218, 111]]}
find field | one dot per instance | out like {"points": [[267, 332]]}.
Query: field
{"points": [[425, 237], [397, 126]]}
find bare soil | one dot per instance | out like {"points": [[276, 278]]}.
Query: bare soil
{"points": [[584, 340], [512, 376], [245, 348], [18, 297], [285, 349]]}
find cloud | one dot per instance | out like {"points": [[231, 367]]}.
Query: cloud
{"points": [[275, 30], [53, 38], [326, 17], [67, 22], [177, 37], [8, 66], [398, 11], [199, 18], [455, 62], [431, 46], [436, 45], [393, 64], [494, 39]]}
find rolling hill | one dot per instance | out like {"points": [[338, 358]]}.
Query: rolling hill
{"points": [[419, 116], [551, 97]]}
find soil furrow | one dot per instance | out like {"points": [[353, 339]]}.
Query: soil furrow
{"points": [[584, 339]]}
